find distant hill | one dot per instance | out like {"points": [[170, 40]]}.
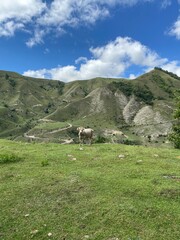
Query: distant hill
{"points": [[44, 109]]}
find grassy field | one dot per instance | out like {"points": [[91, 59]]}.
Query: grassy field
{"points": [[98, 192], [51, 125]]}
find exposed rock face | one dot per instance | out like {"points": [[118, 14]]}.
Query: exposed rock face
{"points": [[121, 99], [146, 115], [151, 122], [131, 109], [146, 119], [98, 100]]}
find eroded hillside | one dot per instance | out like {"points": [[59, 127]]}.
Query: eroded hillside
{"points": [[141, 108]]}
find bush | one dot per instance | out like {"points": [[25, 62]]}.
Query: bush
{"points": [[100, 139], [9, 158], [44, 163], [175, 135], [130, 142], [12, 82], [141, 92]]}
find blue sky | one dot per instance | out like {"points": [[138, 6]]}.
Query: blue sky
{"points": [[82, 39]]}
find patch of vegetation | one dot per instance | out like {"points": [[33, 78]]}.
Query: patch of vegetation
{"points": [[144, 94], [44, 163], [130, 142], [100, 139], [175, 135], [12, 82], [125, 87], [128, 88], [6, 105], [9, 158], [60, 87]]}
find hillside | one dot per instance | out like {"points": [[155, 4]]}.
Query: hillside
{"points": [[24, 100], [141, 108]]}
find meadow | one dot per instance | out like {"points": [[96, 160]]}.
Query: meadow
{"points": [[98, 192]]}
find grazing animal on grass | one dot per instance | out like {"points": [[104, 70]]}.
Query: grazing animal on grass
{"points": [[85, 134]]}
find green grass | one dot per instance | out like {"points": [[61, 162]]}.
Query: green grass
{"points": [[51, 125], [99, 192]]}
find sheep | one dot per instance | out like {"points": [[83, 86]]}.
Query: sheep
{"points": [[85, 133]]}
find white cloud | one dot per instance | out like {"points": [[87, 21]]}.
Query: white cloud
{"points": [[36, 39], [72, 13], [175, 30], [20, 10], [54, 16], [132, 76], [80, 60], [111, 60], [14, 15], [166, 3], [37, 74], [173, 66], [75, 12], [8, 29]]}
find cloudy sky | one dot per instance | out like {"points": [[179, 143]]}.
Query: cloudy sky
{"points": [[82, 39]]}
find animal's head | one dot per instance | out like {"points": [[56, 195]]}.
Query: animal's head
{"points": [[80, 129]]}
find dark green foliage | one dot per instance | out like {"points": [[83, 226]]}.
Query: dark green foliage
{"points": [[6, 76], [46, 110], [144, 94], [129, 142], [100, 139], [128, 88], [12, 82], [6, 105], [72, 132], [175, 135], [125, 87], [45, 163], [60, 87], [9, 158]]}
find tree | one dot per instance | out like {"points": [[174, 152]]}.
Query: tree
{"points": [[175, 135]]}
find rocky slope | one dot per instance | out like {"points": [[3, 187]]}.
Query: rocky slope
{"points": [[142, 107]]}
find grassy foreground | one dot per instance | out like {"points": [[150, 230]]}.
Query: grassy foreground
{"points": [[108, 192]]}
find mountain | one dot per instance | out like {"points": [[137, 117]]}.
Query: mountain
{"points": [[49, 110]]}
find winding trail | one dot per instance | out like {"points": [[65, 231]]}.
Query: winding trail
{"points": [[61, 129], [33, 137]]}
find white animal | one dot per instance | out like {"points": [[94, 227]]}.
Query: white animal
{"points": [[85, 134]]}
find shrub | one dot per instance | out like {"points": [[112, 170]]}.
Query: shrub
{"points": [[175, 135], [129, 142], [9, 158], [12, 82], [100, 139], [44, 163], [140, 92]]}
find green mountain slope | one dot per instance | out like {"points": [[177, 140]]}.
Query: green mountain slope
{"points": [[24, 99], [141, 108]]}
